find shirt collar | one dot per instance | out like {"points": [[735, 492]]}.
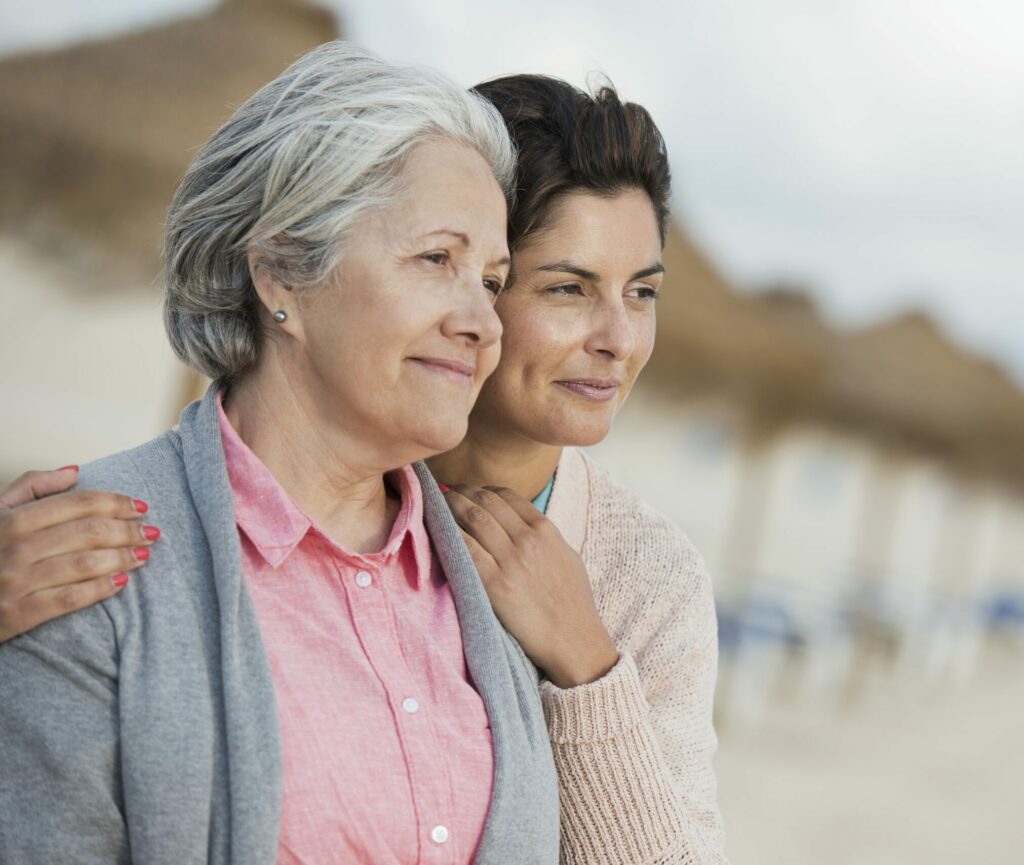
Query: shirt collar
{"points": [[275, 524], [541, 501]]}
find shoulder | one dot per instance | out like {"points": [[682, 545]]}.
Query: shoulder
{"points": [[178, 566], [620, 524], [135, 468], [646, 572]]}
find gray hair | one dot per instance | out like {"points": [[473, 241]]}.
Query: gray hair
{"points": [[293, 170]]}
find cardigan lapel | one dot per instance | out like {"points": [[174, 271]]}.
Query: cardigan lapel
{"points": [[253, 743], [570, 498], [524, 789]]}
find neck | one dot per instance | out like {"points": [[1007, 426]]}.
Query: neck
{"points": [[282, 426], [493, 458]]}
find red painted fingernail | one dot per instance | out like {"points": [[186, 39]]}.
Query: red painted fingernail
{"points": [[65, 468], [119, 580], [141, 553], [140, 505], [150, 533], [443, 487]]}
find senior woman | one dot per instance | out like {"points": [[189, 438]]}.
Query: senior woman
{"points": [[311, 671]]}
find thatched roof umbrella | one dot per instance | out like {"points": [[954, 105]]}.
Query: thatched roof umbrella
{"points": [[906, 382], [908, 379], [97, 135]]}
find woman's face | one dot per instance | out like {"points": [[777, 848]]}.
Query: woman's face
{"points": [[578, 321], [398, 340]]}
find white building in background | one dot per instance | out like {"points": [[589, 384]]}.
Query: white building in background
{"points": [[1002, 556], [685, 459], [808, 530]]}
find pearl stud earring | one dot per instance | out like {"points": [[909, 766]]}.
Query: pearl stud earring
{"points": [[280, 316]]}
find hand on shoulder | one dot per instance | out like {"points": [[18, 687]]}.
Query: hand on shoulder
{"points": [[63, 550], [537, 584]]}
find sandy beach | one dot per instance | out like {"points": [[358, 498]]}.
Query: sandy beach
{"points": [[917, 773]]}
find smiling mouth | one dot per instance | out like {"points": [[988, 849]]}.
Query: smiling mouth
{"points": [[593, 389], [453, 370]]}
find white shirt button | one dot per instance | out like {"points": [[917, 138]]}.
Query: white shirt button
{"points": [[410, 706], [439, 834], [363, 579]]}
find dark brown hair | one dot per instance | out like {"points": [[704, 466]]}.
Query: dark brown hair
{"points": [[570, 141]]}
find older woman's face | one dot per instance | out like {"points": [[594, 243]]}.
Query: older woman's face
{"points": [[578, 321], [400, 338]]}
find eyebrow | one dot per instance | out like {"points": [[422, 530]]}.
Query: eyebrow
{"points": [[591, 276], [463, 238], [648, 271]]}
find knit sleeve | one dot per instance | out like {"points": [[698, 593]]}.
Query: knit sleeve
{"points": [[634, 749]]}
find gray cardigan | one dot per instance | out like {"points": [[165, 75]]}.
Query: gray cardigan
{"points": [[144, 729]]}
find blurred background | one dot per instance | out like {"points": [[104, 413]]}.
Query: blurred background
{"points": [[835, 408]]}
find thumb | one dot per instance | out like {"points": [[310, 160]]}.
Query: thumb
{"points": [[38, 485]]}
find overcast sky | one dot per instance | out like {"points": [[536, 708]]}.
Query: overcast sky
{"points": [[872, 151]]}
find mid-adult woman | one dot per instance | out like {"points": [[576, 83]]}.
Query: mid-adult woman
{"points": [[332, 256], [630, 654]]}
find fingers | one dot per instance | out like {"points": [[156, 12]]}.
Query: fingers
{"points": [[59, 549], [509, 509], [17, 617], [65, 507], [523, 507], [485, 564], [79, 566], [36, 485], [91, 533], [486, 517]]}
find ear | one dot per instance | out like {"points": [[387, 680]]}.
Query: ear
{"points": [[274, 295]]}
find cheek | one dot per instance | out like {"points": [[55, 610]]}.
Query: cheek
{"points": [[515, 338], [488, 361], [544, 344], [644, 345], [648, 338], [326, 336]]}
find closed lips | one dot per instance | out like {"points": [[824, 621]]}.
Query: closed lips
{"points": [[591, 388], [452, 367], [591, 382]]}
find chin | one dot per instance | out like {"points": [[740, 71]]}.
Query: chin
{"points": [[588, 438], [575, 432], [436, 438]]}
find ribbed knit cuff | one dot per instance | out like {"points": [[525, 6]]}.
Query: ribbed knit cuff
{"points": [[599, 710], [618, 801]]}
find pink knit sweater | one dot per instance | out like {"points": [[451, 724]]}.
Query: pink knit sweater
{"points": [[633, 750]]}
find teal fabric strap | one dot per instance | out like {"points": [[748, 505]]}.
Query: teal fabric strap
{"points": [[541, 502]]}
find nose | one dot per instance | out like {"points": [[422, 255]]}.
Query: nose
{"points": [[612, 335], [474, 318]]}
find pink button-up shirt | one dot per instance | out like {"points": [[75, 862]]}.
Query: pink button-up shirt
{"points": [[386, 744]]}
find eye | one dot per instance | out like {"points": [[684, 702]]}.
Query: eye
{"points": [[566, 289], [494, 286], [644, 292], [436, 257]]}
